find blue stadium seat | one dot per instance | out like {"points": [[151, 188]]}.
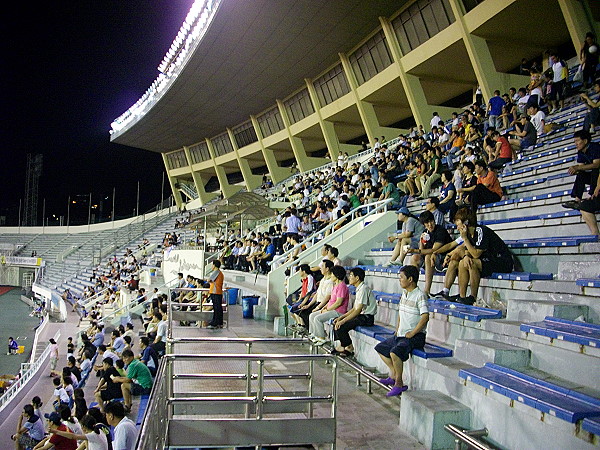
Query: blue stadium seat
{"points": [[472, 313], [591, 425], [544, 396], [588, 282], [566, 330]]}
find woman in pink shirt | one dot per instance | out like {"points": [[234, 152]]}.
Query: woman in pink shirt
{"points": [[337, 306]]}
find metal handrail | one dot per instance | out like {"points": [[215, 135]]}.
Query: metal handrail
{"points": [[377, 207], [468, 437]]}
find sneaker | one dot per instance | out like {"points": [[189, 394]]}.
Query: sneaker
{"points": [[395, 263], [387, 381], [470, 300], [453, 298], [396, 391], [442, 294], [571, 204]]}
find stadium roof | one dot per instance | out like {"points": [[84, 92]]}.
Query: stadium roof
{"points": [[252, 53]]}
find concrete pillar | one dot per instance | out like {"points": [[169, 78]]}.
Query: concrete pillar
{"points": [[577, 21], [305, 162], [204, 196], [227, 189], [252, 181], [276, 172], [172, 181], [327, 128]]}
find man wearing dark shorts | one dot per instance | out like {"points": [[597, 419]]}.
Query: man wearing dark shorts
{"points": [[413, 315], [107, 388], [138, 380]]}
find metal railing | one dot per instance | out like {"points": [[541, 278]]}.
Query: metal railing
{"points": [[468, 437], [166, 429], [372, 208]]}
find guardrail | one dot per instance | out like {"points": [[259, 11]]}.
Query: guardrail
{"points": [[468, 437], [28, 371], [166, 429]]}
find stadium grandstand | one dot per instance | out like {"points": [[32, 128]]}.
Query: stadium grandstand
{"points": [[382, 234]]}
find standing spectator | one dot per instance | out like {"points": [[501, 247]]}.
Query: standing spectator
{"points": [[53, 357], [495, 110], [587, 168], [125, 434], [216, 295], [589, 58], [413, 315], [362, 314], [488, 189], [560, 72]]}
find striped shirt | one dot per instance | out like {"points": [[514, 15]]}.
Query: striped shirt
{"points": [[412, 305]]}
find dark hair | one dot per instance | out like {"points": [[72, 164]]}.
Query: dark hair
{"points": [[470, 165], [144, 340], [130, 326], [582, 134], [481, 163], [102, 347], [28, 409], [435, 201], [466, 216], [339, 272], [447, 174], [116, 409], [56, 381], [426, 216], [120, 363], [334, 251], [358, 273], [116, 333], [89, 422], [127, 353], [411, 272], [72, 360], [217, 263], [78, 393], [127, 339], [108, 361], [65, 413], [328, 263], [158, 315], [36, 401], [305, 268]]}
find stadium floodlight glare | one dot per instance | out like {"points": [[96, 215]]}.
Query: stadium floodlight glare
{"points": [[195, 24]]}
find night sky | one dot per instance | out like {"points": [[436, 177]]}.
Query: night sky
{"points": [[70, 68]]}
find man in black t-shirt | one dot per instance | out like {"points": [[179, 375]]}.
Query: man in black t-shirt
{"points": [[478, 252], [433, 238], [107, 389]]}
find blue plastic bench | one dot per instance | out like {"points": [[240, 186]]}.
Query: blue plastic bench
{"points": [[429, 350], [472, 313], [565, 330], [588, 282], [592, 425], [544, 396], [142, 409]]}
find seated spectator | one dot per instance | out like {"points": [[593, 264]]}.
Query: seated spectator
{"points": [[107, 388], [362, 314], [502, 154], [335, 307], [524, 138], [433, 174], [469, 182], [587, 168], [31, 432], [432, 205], [407, 238], [148, 356], [266, 255], [538, 118], [79, 404], [125, 431], [488, 189], [413, 315], [306, 291], [321, 296], [434, 237], [138, 380], [456, 147], [409, 186], [13, 346], [94, 435], [447, 199], [55, 423], [478, 252], [592, 118], [589, 207], [390, 191], [117, 344]]}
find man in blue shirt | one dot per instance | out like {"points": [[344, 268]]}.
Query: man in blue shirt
{"points": [[267, 255], [99, 336], [495, 110]]}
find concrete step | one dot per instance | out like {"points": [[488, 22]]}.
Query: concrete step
{"points": [[479, 351], [535, 310]]}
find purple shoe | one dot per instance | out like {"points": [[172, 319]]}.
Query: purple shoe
{"points": [[396, 390], [387, 381]]}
